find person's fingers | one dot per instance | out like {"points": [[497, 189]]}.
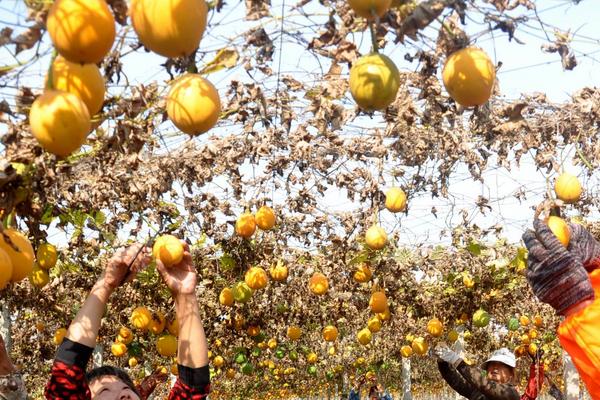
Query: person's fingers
{"points": [[534, 246], [545, 235]]}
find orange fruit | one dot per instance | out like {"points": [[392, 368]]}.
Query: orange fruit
{"points": [[364, 336], [370, 8], [168, 249], [330, 333], [318, 283], [419, 346], [59, 336], [435, 327], [193, 104], [374, 324], [118, 349], [374, 82], [469, 76], [279, 272], [376, 238], [21, 260], [406, 351], [265, 218], [567, 188], [245, 225], [395, 200], [226, 297], [559, 227], [6, 269], [363, 273], [141, 318], [173, 327], [60, 121], [158, 323], [46, 256], [82, 31], [171, 28], [38, 277], [83, 80], [166, 346], [378, 302], [256, 278], [294, 333]]}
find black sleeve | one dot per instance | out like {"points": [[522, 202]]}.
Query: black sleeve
{"points": [[455, 380], [73, 353], [196, 378], [491, 389]]}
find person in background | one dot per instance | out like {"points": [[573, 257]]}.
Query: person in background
{"points": [[376, 391], [568, 279], [471, 383], [11, 382], [68, 379]]}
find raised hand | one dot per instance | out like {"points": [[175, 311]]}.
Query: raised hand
{"points": [[556, 275], [449, 356], [585, 246], [125, 264], [180, 278]]}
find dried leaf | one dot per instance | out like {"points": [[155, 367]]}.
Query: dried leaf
{"points": [[225, 58]]}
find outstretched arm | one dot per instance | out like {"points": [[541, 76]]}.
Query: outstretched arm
{"points": [[192, 352]]}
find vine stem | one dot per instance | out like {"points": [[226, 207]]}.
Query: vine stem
{"points": [[373, 37]]}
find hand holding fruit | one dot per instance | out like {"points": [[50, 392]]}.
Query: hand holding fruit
{"points": [[584, 245], [125, 264], [555, 274], [180, 278], [449, 356]]}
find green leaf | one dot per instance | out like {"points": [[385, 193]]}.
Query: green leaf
{"points": [[227, 262], [225, 58], [359, 259], [47, 217], [474, 248], [99, 218]]}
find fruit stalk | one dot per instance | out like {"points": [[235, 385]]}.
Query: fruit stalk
{"points": [[374, 35], [50, 80]]}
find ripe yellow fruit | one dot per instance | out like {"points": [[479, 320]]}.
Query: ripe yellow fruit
{"points": [[312, 358], [537, 321], [22, 260], [524, 320], [378, 302], [318, 283], [272, 343], [83, 80], [167, 345], [330, 333], [469, 76], [171, 28], [256, 278], [364, 336], [193, 104], [158, 323], [520, 351], [60, 121], [453, 336], [468, 281], [435, 327], [141, 318], [395, 200], [125, 335], [376, 238], [532, 349], [226, 297], [385, 315], [245, 225], [82, 31], [168, 249], [533, 333], [374, 324], [38, 277], [218, 362], [118, 349], [173, 327], [374, 82], [132, 362], [46, 256], [6, 269], [265, 218], [420, 346], [370, 8], [59, 336], [294, 333], [363, 273], [230, 373], [567, 188], [279, 272], [406, 351], [559, 227]]}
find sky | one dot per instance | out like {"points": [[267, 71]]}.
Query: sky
{"points": [[525, 69]]}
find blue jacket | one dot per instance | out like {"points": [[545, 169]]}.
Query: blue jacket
{"points": [[356, 396]]}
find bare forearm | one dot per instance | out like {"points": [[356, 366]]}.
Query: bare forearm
{"points": [[86, 324], [193, 350]]}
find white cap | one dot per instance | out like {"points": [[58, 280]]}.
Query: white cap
{"points": [[504, 356]]}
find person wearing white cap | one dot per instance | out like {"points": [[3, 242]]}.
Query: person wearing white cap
{"points": [[469, 381]]}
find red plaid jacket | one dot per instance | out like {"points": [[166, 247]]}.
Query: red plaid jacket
{"points": [[68, 376]]}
